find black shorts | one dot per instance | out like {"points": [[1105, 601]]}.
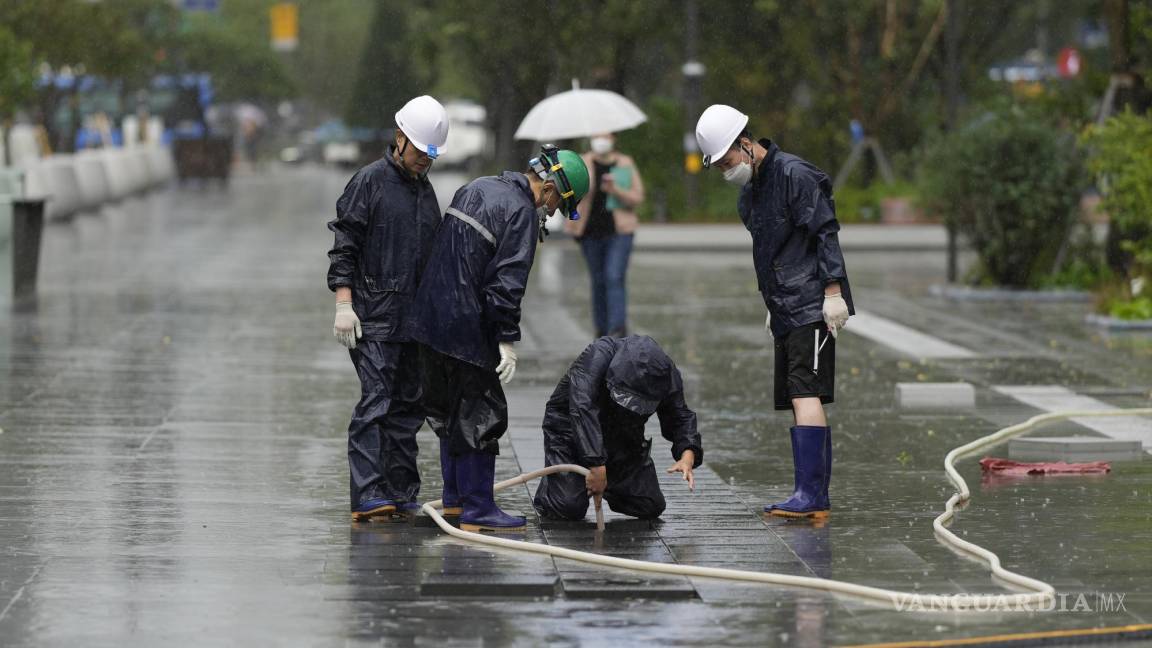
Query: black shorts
{"points": [[801, 370]]}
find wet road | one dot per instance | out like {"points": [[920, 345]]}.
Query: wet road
{"points": [[173, 411]]}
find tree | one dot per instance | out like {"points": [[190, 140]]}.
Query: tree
{"points": [[1011, 182], [391, 70], [804, 69], [241, 69], [16, 73], [112, 39]]}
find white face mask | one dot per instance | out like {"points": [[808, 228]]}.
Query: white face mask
{"points": [[602, 145], [740, 174]]}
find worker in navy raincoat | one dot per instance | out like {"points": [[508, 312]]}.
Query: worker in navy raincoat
{"points": [[787, 206], [384, 226], [595, 419], [466, 316]]}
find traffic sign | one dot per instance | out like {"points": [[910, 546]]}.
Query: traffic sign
{"points": [[1069, 63]]}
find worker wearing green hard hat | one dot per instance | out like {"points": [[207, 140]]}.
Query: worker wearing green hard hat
{"points": [[466, 317], [566, 171]]}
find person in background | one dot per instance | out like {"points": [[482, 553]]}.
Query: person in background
{"points": [[605, 233]]}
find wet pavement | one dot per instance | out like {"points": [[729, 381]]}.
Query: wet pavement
{"points": [[173, 412]]}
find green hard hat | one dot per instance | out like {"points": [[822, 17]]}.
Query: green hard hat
{"points": [[567, 170]]}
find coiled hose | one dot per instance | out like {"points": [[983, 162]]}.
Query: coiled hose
{"points": [[1038, 594]]}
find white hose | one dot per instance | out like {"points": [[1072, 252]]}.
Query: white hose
{"points": [[1039, 594]]}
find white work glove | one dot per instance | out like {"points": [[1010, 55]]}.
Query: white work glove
{"points": [[507, 367], [835, 313], [347, 325], [768, 325]]}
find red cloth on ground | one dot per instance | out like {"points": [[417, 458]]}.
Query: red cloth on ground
{"points": [[1009, 467]]}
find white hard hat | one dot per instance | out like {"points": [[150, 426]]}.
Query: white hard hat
{"points": [[716, 129], [425, 123]]}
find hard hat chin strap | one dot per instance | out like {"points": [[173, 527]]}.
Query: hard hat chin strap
{"points": [[404, 165], [548, 167]]}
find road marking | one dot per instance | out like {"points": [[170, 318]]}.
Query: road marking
{"points": [[906, 340], [20, 592], [1053, 398]]}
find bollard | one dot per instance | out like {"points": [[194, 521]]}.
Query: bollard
{"points": [[27, 227]]}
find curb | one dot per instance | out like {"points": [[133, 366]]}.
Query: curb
{"points": [[1116, 324], [969, 294]]}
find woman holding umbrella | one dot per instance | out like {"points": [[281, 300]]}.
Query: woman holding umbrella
{"points": [[605, 234]]}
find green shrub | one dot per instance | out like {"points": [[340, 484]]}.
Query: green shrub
{"points": [[1120, 157], [865, 204], [1011, 183], [1138, 308], [17, 73]]}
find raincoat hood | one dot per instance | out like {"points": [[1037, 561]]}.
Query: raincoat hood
{"points": [[642, 376]]}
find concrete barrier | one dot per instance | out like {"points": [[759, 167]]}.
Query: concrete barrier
{"points": [[161, 166], [5, 228], [11, 181], [63, 187], [93, 180], [60, 186], [136, 160], [23, 148], [117, 173], [38, 181]]}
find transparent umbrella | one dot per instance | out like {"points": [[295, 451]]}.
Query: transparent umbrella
{"points": [[579, 113]]}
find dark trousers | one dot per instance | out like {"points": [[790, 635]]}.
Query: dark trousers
{"points": [[382, 434], [465, 403], [633, 487], [607, 260]]}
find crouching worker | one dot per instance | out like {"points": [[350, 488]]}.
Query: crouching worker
{"points": [[595, 419]]}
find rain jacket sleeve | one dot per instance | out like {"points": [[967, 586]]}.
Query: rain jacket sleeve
{"points": [[813, 209], [585, 378], [507, 275], [351, 224], [678, 425]]}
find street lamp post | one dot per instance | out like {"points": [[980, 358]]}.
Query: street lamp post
{"points": [[693, 72], [952, 93]]}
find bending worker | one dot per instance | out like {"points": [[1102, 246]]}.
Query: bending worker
{"points": [[786, 204], [467, 317], [595, 418], [384, 226]]}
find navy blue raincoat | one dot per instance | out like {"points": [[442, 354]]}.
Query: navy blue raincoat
{"points": [[788, 208], [385, 223], [634, 374], [469, 298]]}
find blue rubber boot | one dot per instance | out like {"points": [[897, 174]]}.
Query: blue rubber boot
{"points": [[474, 479], [373, 506], [450, 496], [827, 504], [408, 509], [811, 457], [795, 472]]}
